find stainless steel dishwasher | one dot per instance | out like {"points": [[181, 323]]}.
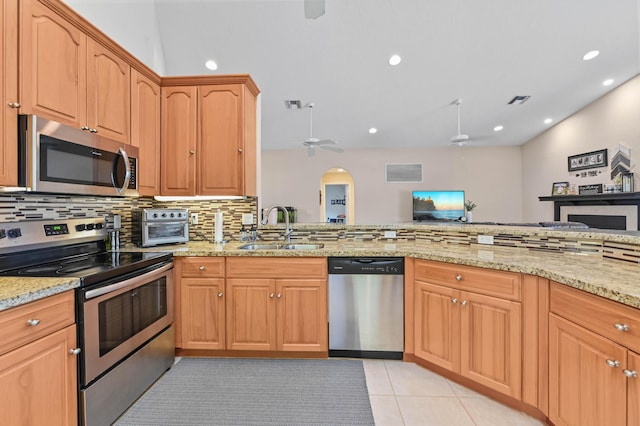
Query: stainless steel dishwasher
{"points": [[366, 307]]}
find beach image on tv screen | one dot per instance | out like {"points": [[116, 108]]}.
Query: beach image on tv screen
{"points": [[438, 205]]}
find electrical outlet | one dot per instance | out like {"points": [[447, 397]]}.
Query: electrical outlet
{"points": [[389, 234], [194, 218], [485, 239], [247, 218]]}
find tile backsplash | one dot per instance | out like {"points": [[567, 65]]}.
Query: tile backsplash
{"points": [[20, 207]]}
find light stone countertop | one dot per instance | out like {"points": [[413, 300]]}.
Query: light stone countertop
{"points": [[614, 280]]}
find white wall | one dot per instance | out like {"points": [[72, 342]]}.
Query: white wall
{"points": [[133, 25], [490, 176], [611, 120]]}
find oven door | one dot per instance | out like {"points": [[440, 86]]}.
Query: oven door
{"points": [[154, 233], [122, 316]]}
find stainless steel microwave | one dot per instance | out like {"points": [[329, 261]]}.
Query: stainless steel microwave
{"points": [[56, 158]]}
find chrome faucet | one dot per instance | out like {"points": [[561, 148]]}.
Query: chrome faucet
{"points": [[288, 231]]}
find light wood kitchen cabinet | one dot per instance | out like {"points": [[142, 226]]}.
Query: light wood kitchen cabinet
{"points": [[9, 93], [201, 313], [145, 131], [38, 363], [593, 369], [473, 333], [209, 136], [69, 77], [277, 304]]}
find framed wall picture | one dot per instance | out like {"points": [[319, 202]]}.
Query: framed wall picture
{"points": [[560, 188], [588, 160]]}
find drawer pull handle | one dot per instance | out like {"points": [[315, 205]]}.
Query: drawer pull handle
{"points": [[613, 363], [14, 105], [33, 322], [75, 351], [459, 277], [201, 268], [93, 130], [632, 374], [454, 300], [621, 327], [220, 294], [85, 128]]}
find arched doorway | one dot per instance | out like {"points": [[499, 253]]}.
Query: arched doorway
{"points": [[337, 196]]}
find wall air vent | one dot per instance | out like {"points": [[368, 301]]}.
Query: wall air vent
{"points": [[519, 100], [403, 173], [293, 104]]}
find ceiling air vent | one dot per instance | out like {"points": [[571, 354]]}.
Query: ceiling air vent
{"points": [[293, 104], [404, 173], [519, 100]]}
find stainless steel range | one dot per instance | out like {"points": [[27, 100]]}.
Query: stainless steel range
{"points": [[124, 307]]}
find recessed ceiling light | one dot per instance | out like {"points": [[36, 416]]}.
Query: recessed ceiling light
{"points": [[210, 64], [607, 82], [498, 128], [590, 55], [548, 121], [373, 130], [395, 60]]}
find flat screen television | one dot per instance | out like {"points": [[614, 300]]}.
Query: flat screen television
{"points": [[438, 205]]}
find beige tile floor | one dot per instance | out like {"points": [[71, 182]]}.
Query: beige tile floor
{"points": [[403, 393]]}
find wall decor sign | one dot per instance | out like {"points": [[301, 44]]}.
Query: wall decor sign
{"points": [[560, 188], [590, 189], [588, 160]]}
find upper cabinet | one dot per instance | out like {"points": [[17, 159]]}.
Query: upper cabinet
{"points": [[9, 92], [209, 135], [70, 77]]}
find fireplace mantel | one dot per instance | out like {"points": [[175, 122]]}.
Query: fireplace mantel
{"points": [[610, 199]]}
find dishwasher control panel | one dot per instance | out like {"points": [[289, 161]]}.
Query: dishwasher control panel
{"points": [[366, 265]]}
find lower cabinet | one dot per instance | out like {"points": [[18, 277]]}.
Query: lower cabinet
{"points": [[39, 378], [258, 304], [593, 371], [475, 335]]}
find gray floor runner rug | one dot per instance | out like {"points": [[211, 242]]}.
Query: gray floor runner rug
{"points": [[212, 391]]}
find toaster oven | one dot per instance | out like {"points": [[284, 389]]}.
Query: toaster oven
{"points": [[152, 227]]}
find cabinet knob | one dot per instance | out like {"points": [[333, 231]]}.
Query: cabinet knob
{"points": [[632, 374], [454, 300], [463, 303], [75, 351], [191, 151], [613, 363], [279, 295], [33, 322], [240, 150], [621, 327], [201, 268], [459, 277], [93, 130], [220, 294], [14, 105], [84, 128], [271, 296]]}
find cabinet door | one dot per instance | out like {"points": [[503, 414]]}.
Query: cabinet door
{"points": [[53, 68], [584, 390], [202, 313], [437, 321], [178, 141], [301, 315], [145, 131], [633, 390], [251, 314], [220, 143], [9, 92], [108, 93], [39, 382], [491, 342]]}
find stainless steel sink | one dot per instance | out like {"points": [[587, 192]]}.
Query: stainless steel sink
{"points": [[302, 246], [260, 247]]}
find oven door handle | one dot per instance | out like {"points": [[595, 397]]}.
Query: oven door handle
{"points": [[92, 294]]}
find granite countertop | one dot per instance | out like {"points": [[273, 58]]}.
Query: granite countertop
{"points": [[611, 279]]}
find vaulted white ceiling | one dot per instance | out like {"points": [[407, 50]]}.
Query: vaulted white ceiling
{"points": [[483, 52]]}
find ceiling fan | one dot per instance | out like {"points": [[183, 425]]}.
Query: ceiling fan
{"points": [[312, 143], [313, 9], [459, 138]]}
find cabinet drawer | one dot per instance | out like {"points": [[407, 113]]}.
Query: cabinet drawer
{"points": [[479, 280], [277, 267], [200, 267], [597, 314], [52, 313]]}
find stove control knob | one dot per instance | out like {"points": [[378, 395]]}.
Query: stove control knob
{"points": [[80, 227], [3, 234], [14, 233], [164, 215], [99, 226], [155, 215], [90, 226], [172, 214]]}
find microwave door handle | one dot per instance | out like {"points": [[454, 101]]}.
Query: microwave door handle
{"points": [[127, 172]]}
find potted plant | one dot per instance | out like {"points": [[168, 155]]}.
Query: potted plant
{"points": [[469, 206]]}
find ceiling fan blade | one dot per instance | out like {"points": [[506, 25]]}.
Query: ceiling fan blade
{"points": [[331, 148], [325, 142], [313, 9]]}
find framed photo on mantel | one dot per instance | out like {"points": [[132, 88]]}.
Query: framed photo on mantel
{"points": [[588, 160], [560, 188]]}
